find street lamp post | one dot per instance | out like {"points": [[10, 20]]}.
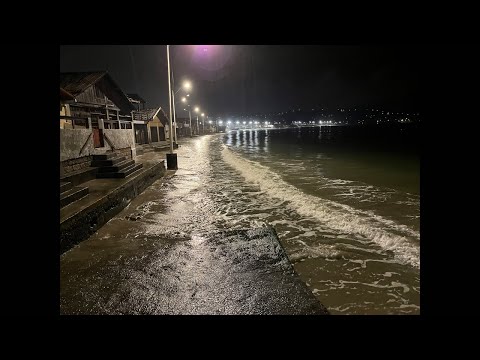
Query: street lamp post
{"points": [[187, 86], [198, 128], [174, 115], [171, 158], [190, 117], [184, 99], [203, 123]]}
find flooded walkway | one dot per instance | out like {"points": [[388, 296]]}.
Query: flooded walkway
{"points": [[125, 269]]}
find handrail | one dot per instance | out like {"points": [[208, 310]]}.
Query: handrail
{"points": [[83, 147], [67, 117], [108, 140]]}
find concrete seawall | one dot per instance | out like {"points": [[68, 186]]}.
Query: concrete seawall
{"points": [[85, 217]]}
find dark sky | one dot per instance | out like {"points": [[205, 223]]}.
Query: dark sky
{"points": [[236, 79]]}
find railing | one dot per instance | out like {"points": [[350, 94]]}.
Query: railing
{"points": [[113, 123], [108, 141], [84, 121], [140, 117], [84, 145]]}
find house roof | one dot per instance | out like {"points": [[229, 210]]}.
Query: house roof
{"points": [[136, 97], [76, 83], [65, 95], [162, 116], [149, 114]]}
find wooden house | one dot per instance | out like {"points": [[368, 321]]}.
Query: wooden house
{"points": [[95, 118]]}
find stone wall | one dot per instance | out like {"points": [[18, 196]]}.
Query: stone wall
{"points": [[73, 140], [78, 143], [120, 138], [127, 152], [70, 166]]}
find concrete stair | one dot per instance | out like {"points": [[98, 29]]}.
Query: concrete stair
{"points": [[148, 148], [118, 167], [104, 156], [102, 162], [70, 193], [64, 186], [80, 176], [110, 167], [129, 170]]}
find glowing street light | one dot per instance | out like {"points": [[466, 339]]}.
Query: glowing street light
{"points": [[187, 85], [184, 99]]}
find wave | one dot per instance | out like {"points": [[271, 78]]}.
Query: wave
{"points": [[385, 233]]}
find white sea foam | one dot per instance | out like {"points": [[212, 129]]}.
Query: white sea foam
{"points": [[340, 217]]}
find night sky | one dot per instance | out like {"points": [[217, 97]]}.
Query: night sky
{"points": [[249, 79]]}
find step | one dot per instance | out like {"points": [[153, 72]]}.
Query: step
{"points": [[130, 170], [121, 174], [117, 167], [109, 162], [72, 195], [147, 148], [161, 148], [65, 186], [81, 176], [104, 156], [135, 172]]}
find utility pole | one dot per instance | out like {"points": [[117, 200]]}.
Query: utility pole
{"points": [[171, 158], [190, 116], [174, 114]]}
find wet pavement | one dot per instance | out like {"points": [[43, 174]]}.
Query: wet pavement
{"points": [[122, 269], [100, 188], [228, 273]]}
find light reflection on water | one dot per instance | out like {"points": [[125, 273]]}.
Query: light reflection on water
{"points": [[350, 272]]}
